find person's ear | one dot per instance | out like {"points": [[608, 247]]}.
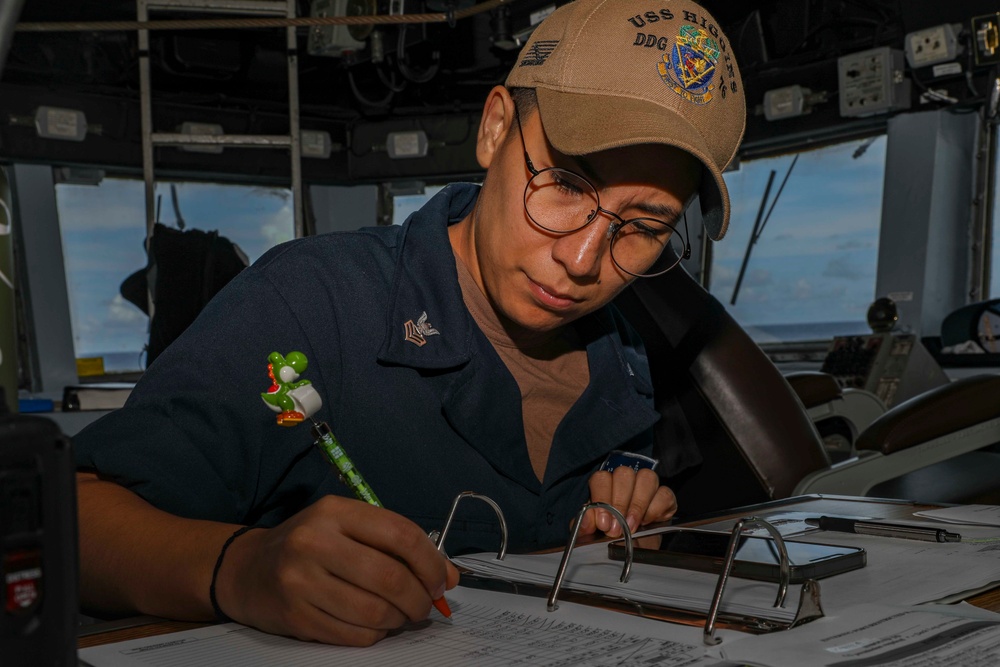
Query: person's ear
{"points": [[497, 120]]}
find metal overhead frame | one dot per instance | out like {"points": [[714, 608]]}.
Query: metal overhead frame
{"points": [[151, 139]]}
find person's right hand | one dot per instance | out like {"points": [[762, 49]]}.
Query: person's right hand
{"points": [[339, 572]]}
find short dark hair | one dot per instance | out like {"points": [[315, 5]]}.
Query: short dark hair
{"points": [[525, 99]]}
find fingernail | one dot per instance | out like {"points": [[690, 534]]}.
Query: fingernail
{"points": [[439, 593], [602, 521], [633, 522]]}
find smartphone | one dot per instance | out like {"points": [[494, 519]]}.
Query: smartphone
{"points": [[756, 557]]}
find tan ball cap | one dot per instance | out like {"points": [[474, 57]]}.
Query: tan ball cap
{"points": [[612, 73]]}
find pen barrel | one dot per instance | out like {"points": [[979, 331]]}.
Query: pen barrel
{"points": [[884, 529], [923, 534], [326, 441]]}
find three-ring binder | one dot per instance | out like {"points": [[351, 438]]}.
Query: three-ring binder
{"points": [[809, 607]]}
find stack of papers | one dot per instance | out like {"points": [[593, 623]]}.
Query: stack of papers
{"points": [[486, 630], [489, 629], [973, 515]]}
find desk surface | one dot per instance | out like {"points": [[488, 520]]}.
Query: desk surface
{"points": [[885, 509]]}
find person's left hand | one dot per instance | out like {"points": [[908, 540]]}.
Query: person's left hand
{"points": [[638, 496]]}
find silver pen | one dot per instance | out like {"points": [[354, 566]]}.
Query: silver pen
{"points": [[883, 529]]}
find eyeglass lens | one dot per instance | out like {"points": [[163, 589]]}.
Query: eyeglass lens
{"points": [[561, 201]]}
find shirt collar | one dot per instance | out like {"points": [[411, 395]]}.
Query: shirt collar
{"points": [[428, 325]]}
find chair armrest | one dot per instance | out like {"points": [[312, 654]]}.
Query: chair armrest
{"points": [[813, 387], [933, 414], [938, 425]]}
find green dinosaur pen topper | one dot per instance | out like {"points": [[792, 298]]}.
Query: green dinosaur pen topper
{"points": [[296, 400]]}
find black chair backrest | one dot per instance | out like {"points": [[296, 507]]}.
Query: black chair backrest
{"points": [[732, 430]]}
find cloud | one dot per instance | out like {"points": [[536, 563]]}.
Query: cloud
{"points": [[840, 267], [845, 267], [758, 278], [122, 312], [278, 228], [856, 244]]}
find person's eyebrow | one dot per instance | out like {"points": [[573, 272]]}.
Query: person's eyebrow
{"points": [[664, 212]]}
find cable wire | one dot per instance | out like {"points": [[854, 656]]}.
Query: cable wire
{"points": [[210, 24]]}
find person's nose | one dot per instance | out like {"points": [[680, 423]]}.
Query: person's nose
{"points": [[581, 252]]}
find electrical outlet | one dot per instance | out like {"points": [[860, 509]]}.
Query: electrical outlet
{"points": [[872, 82], [986, 38], [932, 45]]}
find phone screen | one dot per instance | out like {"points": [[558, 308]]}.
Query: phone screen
{"points": [[749, 549], [756, 557]]}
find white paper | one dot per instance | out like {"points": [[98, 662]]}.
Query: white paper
{"points": [[982, 515], [880, 636], [487, 629]]}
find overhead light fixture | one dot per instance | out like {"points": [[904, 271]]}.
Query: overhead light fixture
{"points": [[203, 129], [791, 101], [316, 143], [401, 145], [57, 123]]}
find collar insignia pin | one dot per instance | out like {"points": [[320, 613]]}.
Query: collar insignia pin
{"points": [[417, 333]]}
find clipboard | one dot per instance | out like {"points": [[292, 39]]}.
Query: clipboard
{"points": [[809, 607]]}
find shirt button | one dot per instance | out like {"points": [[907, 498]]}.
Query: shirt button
{"points": [[550, 517]]}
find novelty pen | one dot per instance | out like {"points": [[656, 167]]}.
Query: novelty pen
{"points": [[295, 400], [883, 529], [351, 476], [326, 441]]}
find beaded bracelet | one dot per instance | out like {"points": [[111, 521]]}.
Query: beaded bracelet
{"points": [[219, 614]]}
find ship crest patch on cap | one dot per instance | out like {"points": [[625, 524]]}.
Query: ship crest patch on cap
{"points": [[689, 68]]}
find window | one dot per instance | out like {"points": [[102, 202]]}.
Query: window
{"points": [[811, 273], [404, 205], [103, 235]]}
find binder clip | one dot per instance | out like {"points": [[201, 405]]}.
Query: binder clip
{"points": [[564, 563], [439, 537], [809, 601]]}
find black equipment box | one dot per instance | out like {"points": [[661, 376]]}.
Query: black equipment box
{"points": [[38, 544]]}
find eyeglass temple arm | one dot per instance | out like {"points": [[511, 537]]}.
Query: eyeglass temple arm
{"points": [[524, 146], [687, 238]]}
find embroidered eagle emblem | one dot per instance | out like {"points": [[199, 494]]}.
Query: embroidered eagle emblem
{"points": [[417, 333]]}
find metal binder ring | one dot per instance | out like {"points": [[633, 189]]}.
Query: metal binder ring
{"points": [[784, 570], [439, 541], [557, 584]]}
